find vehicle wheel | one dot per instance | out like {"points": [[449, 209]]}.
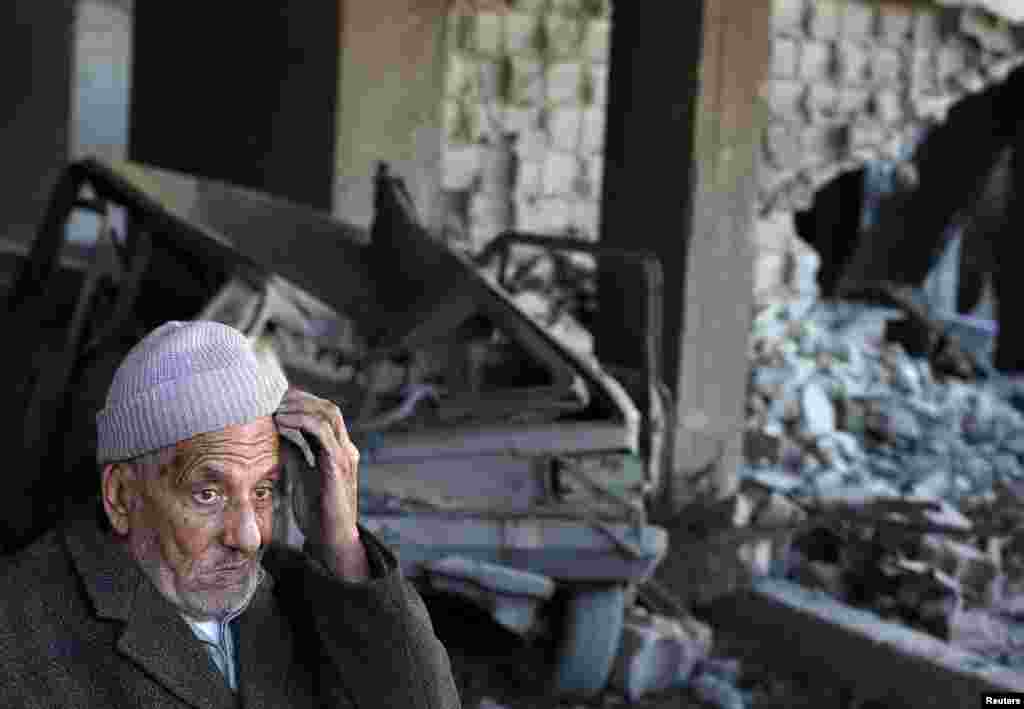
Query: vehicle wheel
{"points": [[590, 640]]}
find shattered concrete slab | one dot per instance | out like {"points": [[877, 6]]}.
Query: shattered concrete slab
{"points": [[658, 652]]}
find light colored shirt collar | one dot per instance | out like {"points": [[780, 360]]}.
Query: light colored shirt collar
{"points": [[219, 639]]}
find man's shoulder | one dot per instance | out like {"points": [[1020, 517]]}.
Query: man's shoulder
{"points": [[41, 559], [31, 579]]}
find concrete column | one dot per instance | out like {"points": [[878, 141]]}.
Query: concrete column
{"points": [[681, 155]]}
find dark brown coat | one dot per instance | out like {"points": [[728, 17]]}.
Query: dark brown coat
{"points": [[81, 626]]}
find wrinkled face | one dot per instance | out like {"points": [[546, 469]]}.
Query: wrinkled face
{"points": [[199, 526]]}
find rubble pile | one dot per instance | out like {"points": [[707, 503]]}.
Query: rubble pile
{"points": [[911, 478]]}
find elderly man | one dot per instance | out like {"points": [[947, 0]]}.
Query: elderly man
{"points": [[169, 596]]}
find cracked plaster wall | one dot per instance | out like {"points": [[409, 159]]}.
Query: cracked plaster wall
{"points": [[537, 71]]}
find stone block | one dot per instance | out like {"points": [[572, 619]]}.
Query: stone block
{"points": [[567, 7], [559, 173], [533, 145], [460, 32], [489, 33], [858, 20], [584, 188], [461, 121], [487, 120], [799, 195], [548, 215], [565, 124], [971, 80], [894, 24], [887, 66], [599, 81], [595, 170], [492, 213], [564, 82], [923, 71], [527, 81], [531, 179], [852, 101], [520, 120], [784, 97], [864, 136], [951, 59], [531, 6], [459, 166], [788, 17], [927, 27], [782, 145], [584, 217], [773, 233], [852, 62], [460, 75], [821, 101], [824, 19], [770, 271], [998, 71], [519, 32], [565, 35], [785, 57], [592, 137], [489, 79], [866, 132], [657, 653], [816, 60], [598, 40], [821, 144], [771, 180], [992, 34]]}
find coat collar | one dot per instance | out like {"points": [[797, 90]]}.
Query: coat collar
{"points": [[156, 638]]}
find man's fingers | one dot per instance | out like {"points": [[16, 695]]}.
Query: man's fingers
{"points": [[290, 424], [303, 403], [318, 426]]}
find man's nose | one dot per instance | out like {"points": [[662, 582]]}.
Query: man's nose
{"points": [[241, 529]]}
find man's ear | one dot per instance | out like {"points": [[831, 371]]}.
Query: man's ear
{"points": [[118, 488]]}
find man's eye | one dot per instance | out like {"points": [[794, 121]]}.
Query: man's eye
{"points": [[206, 496], [264, 493]]}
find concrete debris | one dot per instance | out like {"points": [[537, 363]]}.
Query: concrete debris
{"points": [[513, 597], [718, 692], [657, 653], [488, 703], [840, 416]]}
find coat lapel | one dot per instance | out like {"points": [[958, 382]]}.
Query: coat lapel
{"points": [[160, 642], [154, 636], [265, 646]]}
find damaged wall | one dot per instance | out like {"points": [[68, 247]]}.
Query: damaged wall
{"points": [[853, 82], [538, 71], [390, 76]]}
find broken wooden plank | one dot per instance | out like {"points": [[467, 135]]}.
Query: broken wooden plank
{"points": [[802, 630]]}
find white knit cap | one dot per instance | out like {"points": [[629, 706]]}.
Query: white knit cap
{"points": [[183, 379]]}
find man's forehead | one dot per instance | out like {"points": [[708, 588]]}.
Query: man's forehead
{"points": [[253, 441]]}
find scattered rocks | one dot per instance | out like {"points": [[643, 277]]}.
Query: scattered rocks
{"points": [[657, 653], [839, 416]]}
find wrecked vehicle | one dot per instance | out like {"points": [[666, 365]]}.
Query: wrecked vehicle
{"points": [[500, 464]]}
